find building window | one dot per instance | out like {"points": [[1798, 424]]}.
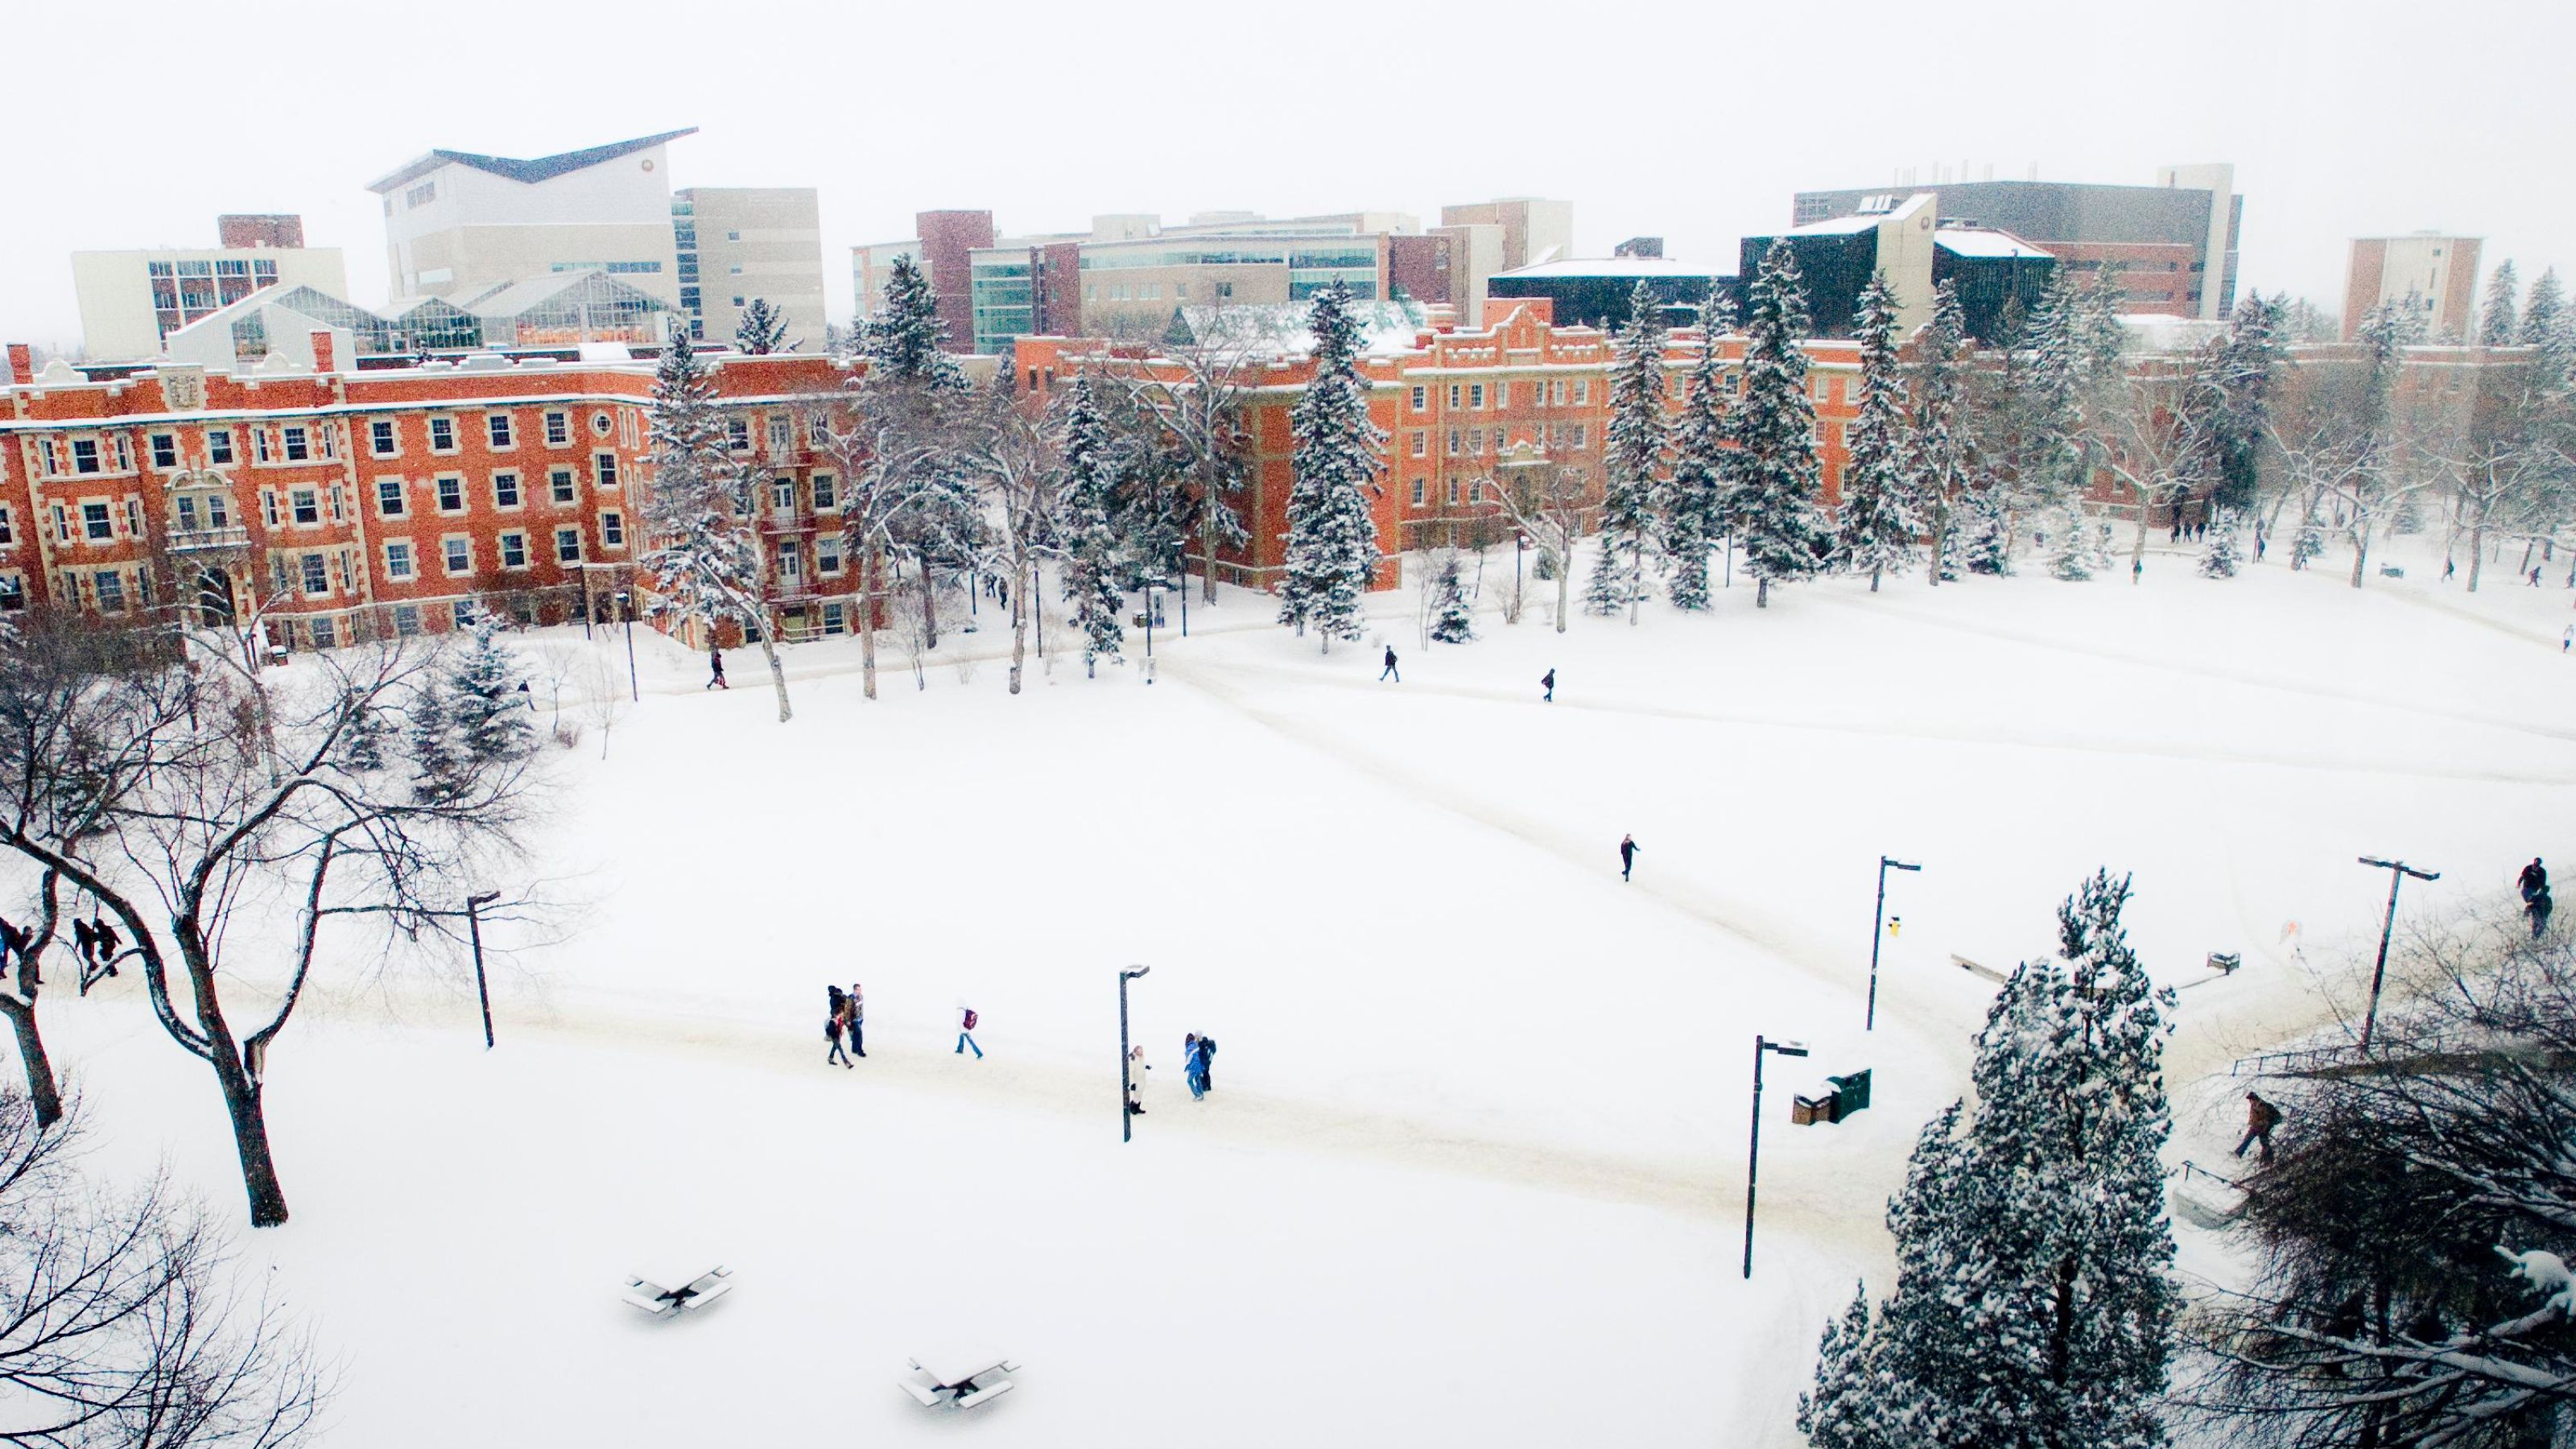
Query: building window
{"points": [[382, 439], [559, 482], [605, 466], [568, 545], [259, 444], [8, 528], [836, 618], [1418, 486], [782, 495], [13, 593], [1498, 440], [599, 424], [219, 446], [111, 591], [165, 451], [389, 497], [1421, 398], [1421, 444], [612, 530], [738, 434], [133, 518], [558, 427], [1583, 389], [442, 435], [458, 554], [1476, 441], [307, 506], [268, 506], [497, 427], [1453, 492], [96, 525], [791, 560], [1556, 392], [514, 550], [1453, 442], [326, 634], [462, 612], [298, 448], [398, 560], [1475, 394], [406, 620], [53, 464], [827, 494], [85, 455], [780, 435], [1578, 434], [451, 494], [505, 490], [1453, 394], [827, 555], [317, 575]]}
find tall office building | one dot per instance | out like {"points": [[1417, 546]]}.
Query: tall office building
{"points": [[2172, 246], [2440, 274], [459, 224], [1534, 231], [130, 300], [737, 243]]}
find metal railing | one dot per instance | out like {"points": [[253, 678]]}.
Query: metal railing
{"points": [[199, 540]]}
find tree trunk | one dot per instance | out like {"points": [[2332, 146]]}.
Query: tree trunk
{"points": [[1019, 626], [1564, 578], [1636, 576], [2138, 544], [1207, 547], [1940, 543], [2360, 544], [2477, 546], [871, 564], [1762, 593], [777, 676], [929, 606], [42, 1089], [250, 1134]]}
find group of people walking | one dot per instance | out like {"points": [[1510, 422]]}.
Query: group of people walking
{"points": [[93, 940], [2534, 885], [848, 1022], [1198, 1066]]}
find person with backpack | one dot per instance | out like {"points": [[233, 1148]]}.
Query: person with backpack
{"points": [[1207, 1063], [84, 940], [832, 1034], [2534, 885], [835, 996], [856, 1014], [1194, 1067], [1390, 667], [107, 939], [2260, 1118], [1628, 849], [715, 670], [966, 1031], [1548, 682]]}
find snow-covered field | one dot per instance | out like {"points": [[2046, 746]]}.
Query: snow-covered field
{"points": [[1474, 1171]]}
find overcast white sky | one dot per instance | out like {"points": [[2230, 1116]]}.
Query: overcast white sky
{"points": [[134, 124]]}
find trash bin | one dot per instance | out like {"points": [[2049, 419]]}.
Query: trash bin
{"points": [[1851, 1093]]}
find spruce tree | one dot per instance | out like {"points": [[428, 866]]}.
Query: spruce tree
{"points": [[486, 711], [2074, 555], [904, 340], [1694, 496], [1940, 453], [1775, 475], [2221, 557], [1453, 620], [2496, 325], [762, 330], [429, 738], [1842, 1411], [1332, 537], [2247, 362], [1986, 530], [703, 559], [1632, 458], [2052, 402], [1876, 527], [2547, 325], [1091, 557]]}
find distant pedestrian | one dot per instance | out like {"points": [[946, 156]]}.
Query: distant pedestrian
{"points": [[1207, 1062], [2177, 528], [2260, 1118], [966, 1031], [2538, 908], [715, 670], [858, 1019], [107, 939], [1627, 855], [832, 1034], [2534, 885], [526, 697], [1389, 671], [2449, 567], [2258, 545], [1548, 682], [1194, 1067], [837, 997], [2567, 640], [1137, 1067], [84, 940], [2137, 568], [2535, 576]]}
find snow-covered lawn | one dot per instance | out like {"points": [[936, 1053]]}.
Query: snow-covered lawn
{"points": [[1474, 1170]]}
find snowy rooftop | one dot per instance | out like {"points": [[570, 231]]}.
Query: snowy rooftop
{"points": [[1978, 241], [1612, 267], [1384, 327]]}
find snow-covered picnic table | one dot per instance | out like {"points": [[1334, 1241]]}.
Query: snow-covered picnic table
{"points": [[670, 1286], [954, 1370]]}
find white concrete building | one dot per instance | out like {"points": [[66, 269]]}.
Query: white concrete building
{"points": [[129, 301], [459, 224], [737, 243]]}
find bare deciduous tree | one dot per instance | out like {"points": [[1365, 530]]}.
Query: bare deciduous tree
{"points": [[1546, 501]]}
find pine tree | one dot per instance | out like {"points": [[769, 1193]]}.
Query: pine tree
{"points": [[368, 733], [1694, 496], [2034, 1304], [1876, 527], [2061, 350], [1775, 475], [704, 561], [1987, 531], [1453, 621], [2221, 557], [2496, 327], [2548, 325], [1332, 537], [2075, 550], [904, 340], [762, 330], [2247, 361], [429, 739], [1940, 454], [1632, 458], [1091, 560], [1842, 1412], [485, 708]]}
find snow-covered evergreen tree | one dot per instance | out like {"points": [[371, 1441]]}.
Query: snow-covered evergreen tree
{"points": [[904, 340], [2548, 325], [1880, 517], [1632, 459], [703, 558], [1332, 537], [2034, 1304], [2247, 361], [1453, 621], [762, 330], [2222, 555], [2075, 550], [429, 738], [2060, 354], [1843, 1411], [2496, 324], [486, 711], [1694, 496], [1775, 475], [1985, 531], [1091, 555], [1940, 449]]}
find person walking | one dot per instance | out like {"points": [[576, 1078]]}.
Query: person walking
{"points": [[966, 1031], [2260, 1118], [832, 1034], [84, 940], [715, 670], [858, 1019], [107, 939], [1547, 681], [837, 997], [1194, 1067], [1628, 848], [1137, 1067], [2449, 567], [1207, 1063], [1389, 671], [2535, 576], [2258, 545]]}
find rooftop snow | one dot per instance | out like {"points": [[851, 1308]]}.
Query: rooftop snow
{"points": [[1613, 267], [1977, 241], [529, 172]]}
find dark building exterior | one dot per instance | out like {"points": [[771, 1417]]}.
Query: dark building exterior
{"points": [[2172, 246], [1837, 257], [240, 232], [1595, 293], [948, 241]]}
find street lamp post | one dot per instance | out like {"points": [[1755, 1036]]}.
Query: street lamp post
{"points": [[474, 927], [2397, 870], [626, 606], [1126, 1075], [1753, 1163], [1878, 928]]}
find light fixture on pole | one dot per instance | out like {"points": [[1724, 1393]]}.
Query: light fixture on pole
{"points": [[1878, 927], [1126, 1084], [2397, 870], [1753, 1162], [474, 928], [626, 606]]}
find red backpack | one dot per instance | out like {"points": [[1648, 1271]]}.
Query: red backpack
{"points": [[970, 1020]]}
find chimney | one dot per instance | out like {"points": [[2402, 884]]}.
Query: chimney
{"points": [[322, 360], [22, 363]]}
